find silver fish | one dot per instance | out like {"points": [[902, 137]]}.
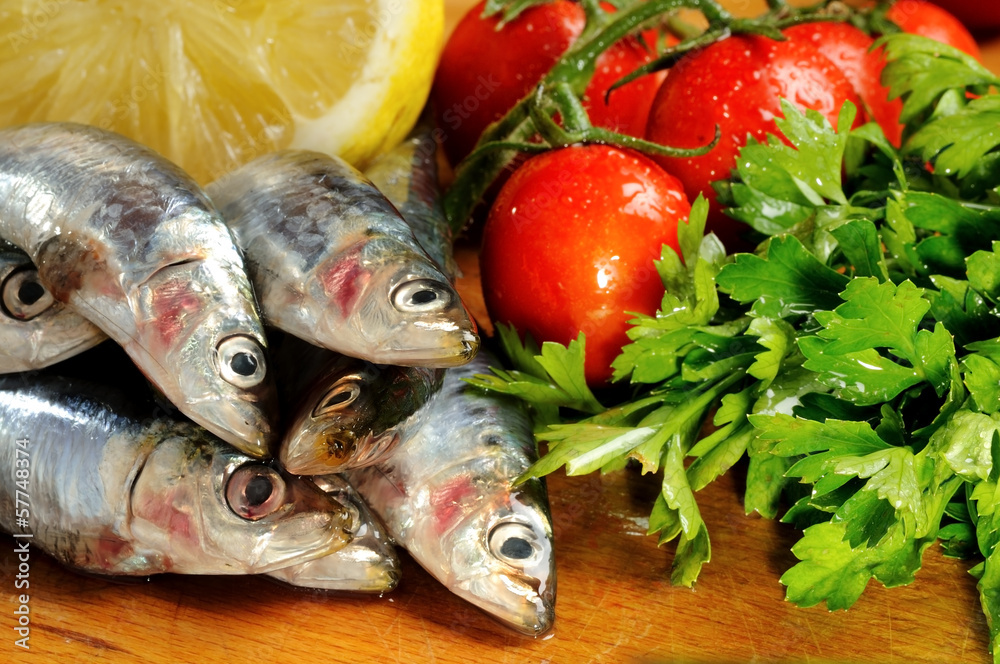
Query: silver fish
{"points": [[408, 176], [446, 495], [343, 411], [368, 564], [106, 492], [35, 330], [129, 241], [335, 264]]}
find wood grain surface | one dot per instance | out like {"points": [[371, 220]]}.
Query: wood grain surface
{"points": [[615, 601]]}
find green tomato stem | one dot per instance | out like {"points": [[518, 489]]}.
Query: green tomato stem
{"points": [[573, 70]]}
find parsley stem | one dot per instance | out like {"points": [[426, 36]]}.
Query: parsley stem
{"points": [[672, 420]]}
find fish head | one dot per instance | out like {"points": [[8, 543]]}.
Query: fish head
{"points": [[36, 330], [348, 417], [399, 307], [500, 555], [368, 564], [211, 509], [206, 349], [322, 436]]}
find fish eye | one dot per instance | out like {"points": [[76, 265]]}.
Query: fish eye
{"points": [[421, 296], [241, 361], [338, 397], [515, 544], [24, 296], [254, 491]]}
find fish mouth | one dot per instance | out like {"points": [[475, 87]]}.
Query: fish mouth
{"points": [[369, 564], [344, 571], [300, 540], [245, 419], [319, 453], [254, 437], [513, 600], [454, 351], [375, 448], [311, 526], [45, 359], [518, 588], [534, 623], [46, 355]]}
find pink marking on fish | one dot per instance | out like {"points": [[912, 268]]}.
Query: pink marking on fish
{"points": [[173, 302], [344, 278], [177, 523], [111, 549], [448, 502]]}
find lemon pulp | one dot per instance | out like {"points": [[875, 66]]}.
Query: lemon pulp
{"points": [[212, 84]]}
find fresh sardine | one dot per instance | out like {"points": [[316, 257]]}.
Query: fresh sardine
{"points": [[334, 263], [368, 564], [106, 492], [130, 242], [342, 412], [408, 176], [446, 495], [35, 330]]}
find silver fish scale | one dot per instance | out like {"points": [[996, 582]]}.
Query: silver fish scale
{"points": [[463, 430], [80, 172], [293, 196], [68, 454]]}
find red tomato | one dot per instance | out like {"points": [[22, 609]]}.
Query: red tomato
{"points": [[737, 84], [569, 247], [982, 15], [627, 109], [849, 49], [923, 18], [483, 72]]}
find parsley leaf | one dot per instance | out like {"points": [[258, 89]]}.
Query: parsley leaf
{"points": [[878, 315], [831, 570], [677, 499], [956, 143], [779, 185], [553, 378], [789, 281], [921, 70]]}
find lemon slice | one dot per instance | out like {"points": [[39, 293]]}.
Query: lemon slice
{"points": [[212, 84]]}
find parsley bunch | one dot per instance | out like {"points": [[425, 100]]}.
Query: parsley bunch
{"points": [[853, 358]]}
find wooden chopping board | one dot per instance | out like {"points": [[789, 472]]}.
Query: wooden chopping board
{"points": [[615, 601]]}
